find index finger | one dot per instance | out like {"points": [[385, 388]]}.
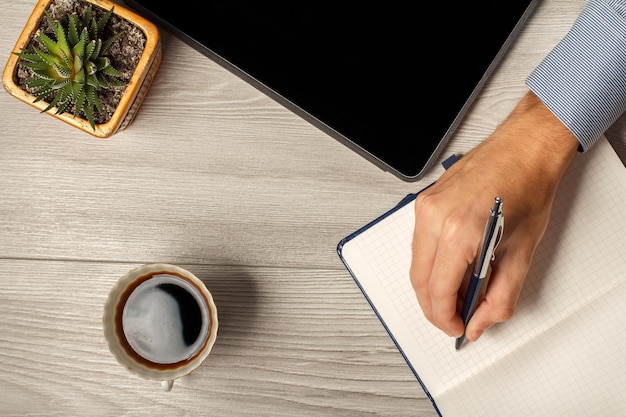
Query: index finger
{"points": [[424, 248], [455, 254]]}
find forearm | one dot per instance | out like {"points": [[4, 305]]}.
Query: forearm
{"points": [[535, 141]]}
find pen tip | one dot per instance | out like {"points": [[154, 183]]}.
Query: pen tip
{"points": [[459, 342]]}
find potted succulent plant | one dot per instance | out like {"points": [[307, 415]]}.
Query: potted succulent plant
{"points": [[88, 63]]}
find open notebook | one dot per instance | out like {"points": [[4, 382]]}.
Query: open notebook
{"points": [[563, 353]]}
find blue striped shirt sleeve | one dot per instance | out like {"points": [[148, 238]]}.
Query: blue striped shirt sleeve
{"points": [[583, 79]]}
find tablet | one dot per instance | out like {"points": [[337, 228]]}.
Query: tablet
{"points": [[390, 80]]}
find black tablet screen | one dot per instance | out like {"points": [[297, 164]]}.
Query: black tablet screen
{"points": [[390, 80]]}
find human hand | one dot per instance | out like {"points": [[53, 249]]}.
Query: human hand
{"points": [[522, 161]]}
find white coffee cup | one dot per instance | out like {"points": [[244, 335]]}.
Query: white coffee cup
{"points": [[160, 322]]}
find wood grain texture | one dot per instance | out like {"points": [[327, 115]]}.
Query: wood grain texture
{"points": [[220, 179], [291, 341]]}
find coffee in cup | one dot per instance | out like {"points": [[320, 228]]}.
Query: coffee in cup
{"points": [[160, 322]]}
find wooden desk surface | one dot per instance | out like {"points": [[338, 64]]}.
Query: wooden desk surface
{"points": [[215, 177]]}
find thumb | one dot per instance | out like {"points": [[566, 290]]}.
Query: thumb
{"points": [[499, 303]]}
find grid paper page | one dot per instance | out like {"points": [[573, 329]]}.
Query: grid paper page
{"points": [[574, 369], [575, 264]]}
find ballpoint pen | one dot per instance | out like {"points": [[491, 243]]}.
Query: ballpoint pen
{"points": [[482, 266]]}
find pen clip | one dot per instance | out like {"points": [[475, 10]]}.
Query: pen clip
{"points": [[491, 239], [496, 211], [500, 227]]}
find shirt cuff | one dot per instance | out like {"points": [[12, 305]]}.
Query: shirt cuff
{"points": [[583, 79]]}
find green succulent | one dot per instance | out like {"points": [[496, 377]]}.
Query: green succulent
{"points": [[71, 69]]}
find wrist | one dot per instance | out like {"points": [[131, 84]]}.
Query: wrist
{"points": [[547, 142]]}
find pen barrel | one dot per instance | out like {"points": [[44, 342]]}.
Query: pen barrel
{"points": [[477, 286], [475, 294]]}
